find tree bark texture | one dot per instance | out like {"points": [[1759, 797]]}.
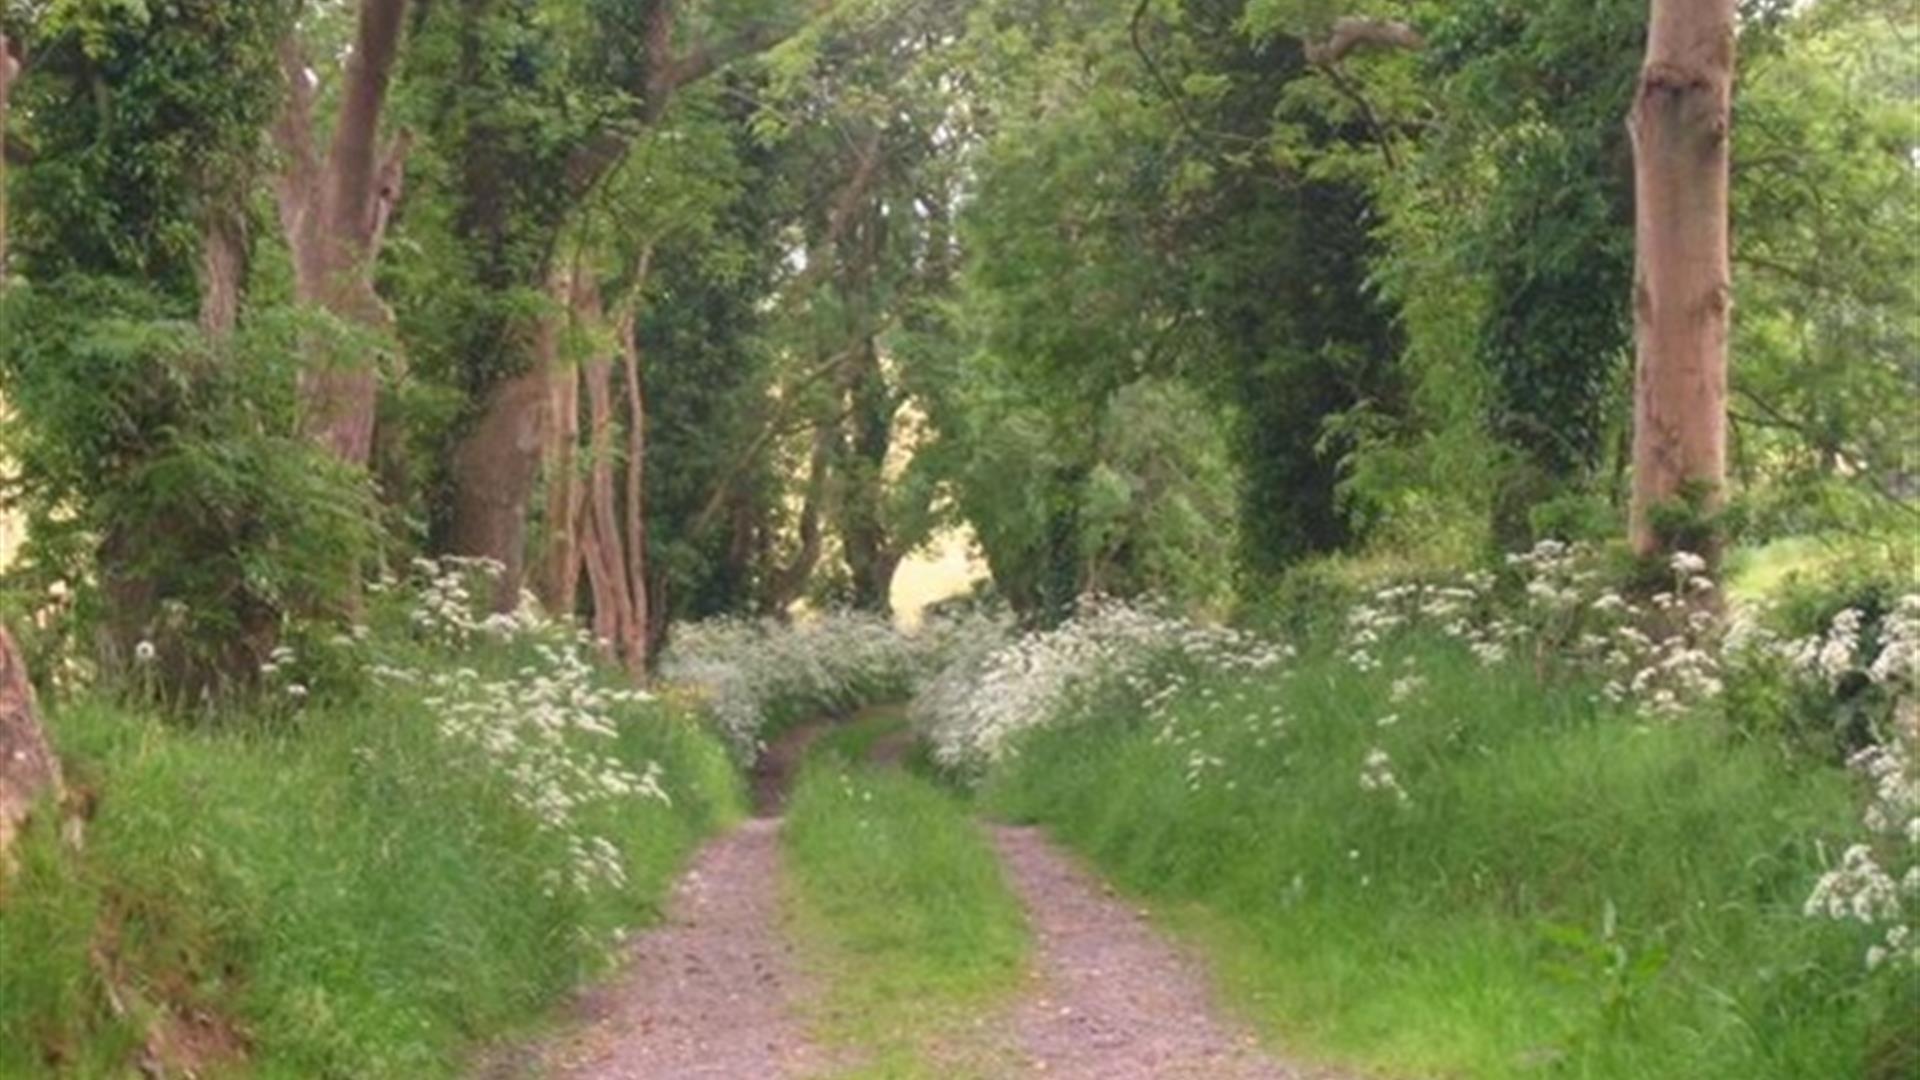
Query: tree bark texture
{"points": [[640, 648], [494, 468], [1682, 302], [29, 771], [334, 209], [223, 269], [560, 582]]}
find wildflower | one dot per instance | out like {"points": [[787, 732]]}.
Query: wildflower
{"points": [[1686, 564], [1376, 774], [143, 652], [1407, 686]]}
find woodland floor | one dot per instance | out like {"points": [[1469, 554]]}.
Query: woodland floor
{"points": [[716, 992]]}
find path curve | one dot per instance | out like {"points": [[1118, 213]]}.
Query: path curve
{"points": [[1114, 1000], [711, 993]]}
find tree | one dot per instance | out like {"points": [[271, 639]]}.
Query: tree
{"points": [[1681, 123], [533, 110], [334, 209]]}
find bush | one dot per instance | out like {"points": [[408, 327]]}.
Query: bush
{"points": [[165, 487]]}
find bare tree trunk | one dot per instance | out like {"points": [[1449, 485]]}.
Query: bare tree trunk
{"points": [[560, 584], [335, 210], [29, 771], [612, 596], [641, 654], [1681, 127]]}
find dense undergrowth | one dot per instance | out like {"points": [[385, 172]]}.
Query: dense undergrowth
{"points": [[445, 822], [1495, 829], [901, 906]]}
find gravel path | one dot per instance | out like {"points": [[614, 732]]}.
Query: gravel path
{"points": [[712, 993], [709, 994], [1114, 1000]]}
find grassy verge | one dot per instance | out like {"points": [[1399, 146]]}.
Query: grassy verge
{"points": [[1564, 892], [902, 908], [339, 896]]}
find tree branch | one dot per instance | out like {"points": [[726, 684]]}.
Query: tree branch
{"points": [[353, 161], [1868, 473], [667, 75], [1353, 32]]}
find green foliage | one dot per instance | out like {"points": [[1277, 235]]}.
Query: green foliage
{"points": [[1155, 510], [903, 908], [146, 118], [162, 483], [707, 359], [1800, 590], [350, 897], [1638, 888], [1826, 396], [1129, 231]]}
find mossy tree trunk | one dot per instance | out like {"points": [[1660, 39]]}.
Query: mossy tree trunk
{"points": [[29, 771]]}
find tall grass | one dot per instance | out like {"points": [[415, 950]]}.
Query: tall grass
{"points": [[349, 890], [1478, 872], [902, 910]]}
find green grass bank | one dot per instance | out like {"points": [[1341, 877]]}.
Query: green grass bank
{"points": [[1478, 873], [341, 894]]}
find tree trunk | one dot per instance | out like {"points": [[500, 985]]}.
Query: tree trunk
{"points": [[223, 268], [612, 596], [791, 580], [871, 552], [1682, 300], [494, 468], [335, 211], [9, 69], [641, 653], [29, 771], [560, 581]]}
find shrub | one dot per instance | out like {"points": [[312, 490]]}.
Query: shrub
{"points": [[165, 488]]}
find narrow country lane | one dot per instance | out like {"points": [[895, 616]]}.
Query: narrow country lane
{"points": [[1114, 1000], [714, 992], [708, 995]]}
